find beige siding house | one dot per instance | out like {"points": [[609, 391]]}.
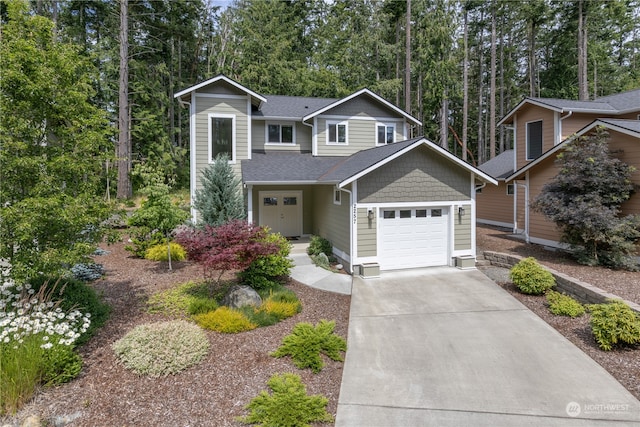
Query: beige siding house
{"points": [[344, 169], [541, 129]]}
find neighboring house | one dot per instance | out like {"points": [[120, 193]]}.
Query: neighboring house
{"points": [[491, 200], [541, 128], [343, 169]]}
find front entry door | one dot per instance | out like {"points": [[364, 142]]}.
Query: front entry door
{"points": [[281, 211]]}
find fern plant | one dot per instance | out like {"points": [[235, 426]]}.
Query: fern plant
{"points": [[306, 343], [288, 405]]}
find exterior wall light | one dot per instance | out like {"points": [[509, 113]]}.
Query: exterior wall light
{"points": [[461, 211], [370, 214]]}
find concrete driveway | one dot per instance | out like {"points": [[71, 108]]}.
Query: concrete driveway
{"points": [[449, 347]]}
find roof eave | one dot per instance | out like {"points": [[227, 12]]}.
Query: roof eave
{"points": [[261, 99]]}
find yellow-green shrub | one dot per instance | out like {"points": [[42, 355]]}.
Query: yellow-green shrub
{"points": [[564, 305], [281, 309], [530, 277], [160, 253], [225, 320]]}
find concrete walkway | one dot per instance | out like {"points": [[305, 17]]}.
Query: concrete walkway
{"points": [[448, 347], [305, 271]]}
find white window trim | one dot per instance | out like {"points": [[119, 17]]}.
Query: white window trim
{"points": [[266, 132], [233, 135], [338, 123], [526, 132], [386, 125], [337, 200]]}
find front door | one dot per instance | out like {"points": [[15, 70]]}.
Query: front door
{"points": [[281, 211]]}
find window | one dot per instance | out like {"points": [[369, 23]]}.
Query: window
{"points": [[270, 201], [405, 214], [534, 140], [280, 133], [337, 197], [389, 214], [436, 212], [385, 134], [510, 190], [337, 133], [290, 201], [222, 136], [421, 213]]}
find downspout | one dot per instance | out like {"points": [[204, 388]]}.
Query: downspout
{"points": [[560, 130], [351, 254], [526, 211], [312, 136]]}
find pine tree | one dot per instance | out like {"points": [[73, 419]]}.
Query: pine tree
{"points": [[219, 200]]}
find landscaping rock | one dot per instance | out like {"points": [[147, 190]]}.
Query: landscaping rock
{"points": [[239, 296]]}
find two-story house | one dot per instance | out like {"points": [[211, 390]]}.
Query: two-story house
{"points": [[344, 169], [542, 127]]}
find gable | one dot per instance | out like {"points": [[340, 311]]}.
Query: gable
{"points": [[363, 106], [221, 87], [417, 176]]}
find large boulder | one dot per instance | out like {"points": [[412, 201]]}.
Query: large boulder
{"points": [[239, 296]]}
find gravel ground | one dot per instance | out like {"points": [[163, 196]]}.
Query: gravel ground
{"points": [[622, 362], [238, 366]]}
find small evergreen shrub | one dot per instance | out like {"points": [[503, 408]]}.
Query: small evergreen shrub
{"points": [[306, 342], [76, 295], [319, 245], [267, 271], [160, 253], [531, 278], [288, 405], [87, 272], [143, 238], [161, 349], [614, 322], [225, 320], [258, 316], [281, 309], [563, 305], [202, 305]]}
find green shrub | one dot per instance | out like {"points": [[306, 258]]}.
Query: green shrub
{"points": [[281, 309], [260, 317], [75, 294], [160, 253], [87, 272], [225, 320], [288, 405], [319, 245], [614, 322], [20, 372], [179, 300], [201, 306], [531, 278], [564, 305], [163, 348], [143, 238], [306, 342], [61, 365], [266, 272]]}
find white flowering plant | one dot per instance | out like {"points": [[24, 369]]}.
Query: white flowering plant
{"points": [[36, 341]]}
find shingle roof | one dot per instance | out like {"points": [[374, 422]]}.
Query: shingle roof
{"points": [[500, 166], [285, 167], [291, 106], [624, 101], [569, 104], [632, 125]]}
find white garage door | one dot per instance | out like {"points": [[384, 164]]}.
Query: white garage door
{"points": [[413, 237]]}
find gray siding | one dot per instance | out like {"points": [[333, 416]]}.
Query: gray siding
{"points": [[367, 244], [362, 106], [331, 221], [419, 176], [222, 88], [303, 138], [207, 105], [462, 229]]}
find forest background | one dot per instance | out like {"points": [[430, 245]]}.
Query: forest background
{"points": [[458, 66]]}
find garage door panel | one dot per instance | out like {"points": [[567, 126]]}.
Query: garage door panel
{"points": [[415, 241]]}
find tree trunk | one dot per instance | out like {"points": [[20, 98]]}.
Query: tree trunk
{"points": [[465, 87], [407, 62], [124, 142], [492, 89], [583, 83], [532, 58]]}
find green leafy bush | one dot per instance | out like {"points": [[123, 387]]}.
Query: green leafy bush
{"points": [[306, 342], [319, 245], [530, 277], [267, 271], [281, 309], [288, 405], [614, 322], [564, 305], [142, 238], [160, 252], [75, 294], [61, 365], [225, 320], [202, 305], [161, 349]]}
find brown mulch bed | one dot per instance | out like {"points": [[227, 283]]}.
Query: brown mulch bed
{"points": [[212, 393], [622, 362]]}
